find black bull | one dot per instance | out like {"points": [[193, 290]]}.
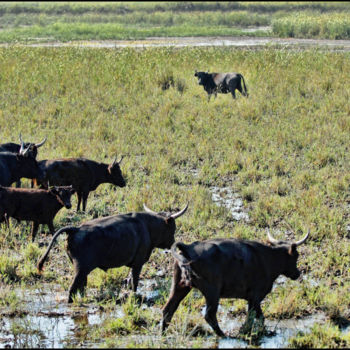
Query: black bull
{"points": [[224, 83], [83, 174], [230, 268], [114, 241], [15, 166], [25, 148]]}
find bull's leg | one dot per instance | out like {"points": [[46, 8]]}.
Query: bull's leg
{"points": [[135, 272], [212, 297], [233, 93], [51, 227], [239, 88], [78, 285], [254, 312], [85, 197], [79, 200], [35, 227], [177, 293]]}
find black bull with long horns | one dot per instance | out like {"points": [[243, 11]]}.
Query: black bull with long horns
{"points": [[14, 166], [83, 174], [28, 149], [230, 268], [114, 241]]}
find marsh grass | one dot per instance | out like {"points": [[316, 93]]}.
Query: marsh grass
{"points": [[65, 21], [321, 336], [283, 149]]}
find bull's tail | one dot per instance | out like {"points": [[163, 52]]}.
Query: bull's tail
{"points": [[244, 86], [68, 229], [184, 264]]}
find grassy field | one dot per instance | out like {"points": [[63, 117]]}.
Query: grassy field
{"points": [[65, 21], [284, 150]]}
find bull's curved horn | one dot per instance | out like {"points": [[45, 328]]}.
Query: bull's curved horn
{"points": [[21, 150], [149, 210], [25, 151], [270, 238], [41, 143], [179, 213], [121, 158], [303, 239], [20, 138]]}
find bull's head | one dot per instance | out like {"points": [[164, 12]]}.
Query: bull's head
{"points": [[164, 236], [63, 194], [115, 173], [30, 149], [202, 77], [290, 268], [28, 166]]}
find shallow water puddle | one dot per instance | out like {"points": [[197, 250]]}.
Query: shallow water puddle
{"points": [[45, 319], [224, 196]]}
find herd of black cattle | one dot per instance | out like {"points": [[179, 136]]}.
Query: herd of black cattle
{"points": [[219, 268]]}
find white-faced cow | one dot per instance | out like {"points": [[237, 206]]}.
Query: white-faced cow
{"points": [[223, 83], [113, 241], [31, 149], [230, 268], [83, 174], [38, 206]]}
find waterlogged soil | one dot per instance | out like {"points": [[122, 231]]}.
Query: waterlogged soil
{"points": [[45, 319]]}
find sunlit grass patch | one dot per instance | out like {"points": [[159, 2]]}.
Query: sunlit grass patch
{"points": [[321, 336]]}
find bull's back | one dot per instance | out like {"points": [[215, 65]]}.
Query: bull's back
{"points": [[66, 172], [228, 264], [108, 242]]}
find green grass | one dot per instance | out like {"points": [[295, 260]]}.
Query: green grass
{"points": [[65, 21], [284, 149], [326, 26]]}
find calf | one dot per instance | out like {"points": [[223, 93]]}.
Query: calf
{"points": [[83, 174], [223, 83], [113, 241], [230, 268], [39, 206]]}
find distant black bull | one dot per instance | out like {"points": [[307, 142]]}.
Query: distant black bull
{"points": [[113, 241], [223, 83], [38, 206], [83, 174], [31, 149], [230, 268], [15, 166]]}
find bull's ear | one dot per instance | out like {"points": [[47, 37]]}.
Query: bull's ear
{"points": [[169, 220], [53, 190], [292, 249]]}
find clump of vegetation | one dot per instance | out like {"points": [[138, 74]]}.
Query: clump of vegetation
{"points": [[321, 336], [167, 80]]}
